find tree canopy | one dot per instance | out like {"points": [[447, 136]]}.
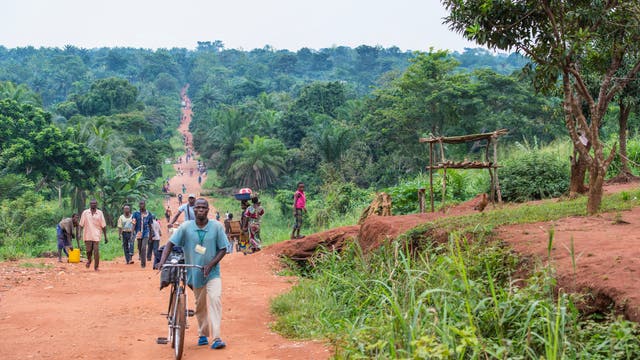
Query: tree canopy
{"points": [[566, 40]]}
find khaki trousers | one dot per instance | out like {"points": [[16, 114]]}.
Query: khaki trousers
{"points": [[209, 308], [93, 249]]}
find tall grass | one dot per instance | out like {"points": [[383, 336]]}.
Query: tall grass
{"points": [[451, 301], [454, 300]]}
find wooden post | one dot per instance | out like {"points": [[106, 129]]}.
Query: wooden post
{"points": [[495, 169], [488, 161], [444, 176], [421, 199], [431, 175]]}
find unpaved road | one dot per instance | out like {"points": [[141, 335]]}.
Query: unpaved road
{"points": [[65, 311]]}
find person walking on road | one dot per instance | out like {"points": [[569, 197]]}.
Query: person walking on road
{"points": [[154, 241], [204, 243], [142, 220], [179, 199], [254, 213], [92, 223], [299, 206], [125, 229], [167, 214], [64, 230], [187, 209]]}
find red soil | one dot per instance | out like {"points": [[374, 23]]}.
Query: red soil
{"points": [[64, 311], [607, 252]]}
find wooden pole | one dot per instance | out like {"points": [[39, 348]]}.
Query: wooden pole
{"points": [[421, 199], [444, 176], [444, 186], [488, 161], [431, 175], [495, 169]]}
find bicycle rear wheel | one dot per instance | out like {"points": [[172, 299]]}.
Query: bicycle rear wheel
{"points": [[173, 299], [180, 325]]}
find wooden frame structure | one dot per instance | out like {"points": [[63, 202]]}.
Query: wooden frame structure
{"points": [[489, 163]]}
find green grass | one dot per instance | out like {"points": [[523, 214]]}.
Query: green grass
{"points": [[451, 300], [31, 265], [548, 210]]}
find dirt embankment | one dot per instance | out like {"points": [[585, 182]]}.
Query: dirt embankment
{"points": [[373, 232], [606, 249]]}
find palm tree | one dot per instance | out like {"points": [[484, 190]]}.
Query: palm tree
{"points": [[119, 185], [104, 140], [259, 162], [20, 93], [332, 140], [229, 126]]}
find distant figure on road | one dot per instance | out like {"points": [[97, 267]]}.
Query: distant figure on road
{"points": [[142, 220], [187, 209], [254, 213], [154, 241], [179, 199], [125, 231], [64, 230], [92, 223], [299, 206], [167, 213]]}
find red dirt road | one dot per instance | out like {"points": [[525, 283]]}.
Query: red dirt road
{"points": [[64, 311]]}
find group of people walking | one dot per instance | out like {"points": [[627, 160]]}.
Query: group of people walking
{"points": [[204, 242], [141, 226]]}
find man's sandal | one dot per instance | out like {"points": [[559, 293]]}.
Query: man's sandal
{"points": [[202, 340], [218, 344]]}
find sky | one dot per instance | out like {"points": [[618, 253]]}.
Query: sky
{"points": [[239, 24]]}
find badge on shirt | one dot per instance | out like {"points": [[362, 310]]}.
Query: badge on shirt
{"points": [[200, 249]]}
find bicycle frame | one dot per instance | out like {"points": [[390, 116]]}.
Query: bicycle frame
{"points": [[177, 323]]}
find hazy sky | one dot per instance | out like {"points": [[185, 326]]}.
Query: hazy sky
{"points": [[246, 24]]}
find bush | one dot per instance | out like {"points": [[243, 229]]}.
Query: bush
{"points": [[28, 217], [462, 185], [633, 154], [455, 300], [533, 175]]}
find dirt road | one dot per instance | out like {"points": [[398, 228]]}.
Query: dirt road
{"points": [[64, 311]]}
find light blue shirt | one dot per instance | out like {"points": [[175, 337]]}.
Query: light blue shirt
{"points": [[211, 237], [187, 209]]}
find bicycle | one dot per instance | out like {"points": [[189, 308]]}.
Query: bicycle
{"points": [[177, 310]]}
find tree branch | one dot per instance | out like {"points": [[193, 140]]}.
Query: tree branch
{"points": [[631, 75], [581, 87]]}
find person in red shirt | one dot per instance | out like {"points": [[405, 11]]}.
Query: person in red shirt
{"points": [[299, 206]]}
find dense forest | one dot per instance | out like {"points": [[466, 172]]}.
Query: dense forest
{"points": [[98, 122]]}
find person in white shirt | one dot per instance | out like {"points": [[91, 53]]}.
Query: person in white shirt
{"points": [[155, 242]]}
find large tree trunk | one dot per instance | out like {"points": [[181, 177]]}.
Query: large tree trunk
{"points": [[578, 173], [596, 180], [625, 175]]}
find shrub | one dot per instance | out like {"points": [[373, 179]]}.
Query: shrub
{"points": [[533, 175], [28, 220], [461, 185], [633, 154]]}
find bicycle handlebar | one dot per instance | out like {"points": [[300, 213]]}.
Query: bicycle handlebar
{"points": [[183, 266]]}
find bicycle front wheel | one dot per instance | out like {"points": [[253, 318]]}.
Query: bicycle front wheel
{"points": [[179, 326]]}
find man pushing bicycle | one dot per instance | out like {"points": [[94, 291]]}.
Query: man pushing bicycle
{"points": [[204, 243]]}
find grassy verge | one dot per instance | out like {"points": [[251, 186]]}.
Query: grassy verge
{"points": [[454, 300], [276, 227]]}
